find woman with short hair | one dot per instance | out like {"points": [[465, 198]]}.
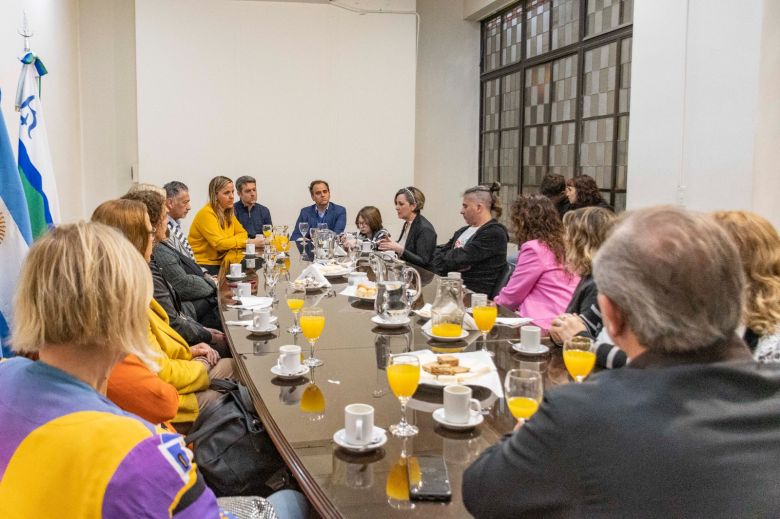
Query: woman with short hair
{"points": [[759, 247], [541, 286], [417, 241]]}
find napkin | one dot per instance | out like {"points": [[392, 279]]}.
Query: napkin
{"points": [[425, 311], [252, 302], [339, 251], [248, 322], [513, 322], [313, 272], [484, 372]]}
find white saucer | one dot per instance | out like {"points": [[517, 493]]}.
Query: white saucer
{"points": [[279, 373], [530, 351], [390, 324], [474, 420], [271, 326], [463, 335], [236, 278], [380, 438]]}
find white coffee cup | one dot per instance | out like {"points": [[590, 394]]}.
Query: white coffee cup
{"points": [[530, 336], [244, 289], [366, 246], [459, 407], [353, 278], [359, 424], [250, 249], [289, 359], [261, 318], [250, 263], [235, 270]]}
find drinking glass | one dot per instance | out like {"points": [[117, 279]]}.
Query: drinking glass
{"points": [[524, 391], [312, 322], [403, 376], [303, 227], [578, 357], [313, 402], [271, 278], [322, 226], [485, 314], [268, 230], [294, 303]]}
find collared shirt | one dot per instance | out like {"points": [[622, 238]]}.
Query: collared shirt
{"points": [[178, 239], [252, 218], [335, 216]]}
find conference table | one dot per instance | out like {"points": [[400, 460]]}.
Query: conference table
{"points": [[339, 483]]}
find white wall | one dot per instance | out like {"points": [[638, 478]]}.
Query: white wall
{"points": [[447, 128], [281, 91], [55, 23]]}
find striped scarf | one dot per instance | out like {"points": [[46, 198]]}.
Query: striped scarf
{"points": [[179, 241]]}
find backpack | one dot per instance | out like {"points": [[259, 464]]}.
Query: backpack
{"points": [[233, 452]]}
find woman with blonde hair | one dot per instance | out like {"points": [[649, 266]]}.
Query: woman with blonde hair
{"points": [[417, 241], [216, 236], [759, 247], [81, 305]]}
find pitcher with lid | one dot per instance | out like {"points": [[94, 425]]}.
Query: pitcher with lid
{"points": [[447, 311], [398, 287]]}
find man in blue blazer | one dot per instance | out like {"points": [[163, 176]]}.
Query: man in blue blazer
{"points": [[323, 211], [250, 214]]}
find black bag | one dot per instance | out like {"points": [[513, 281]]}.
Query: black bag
{"points": [[233, 452]]}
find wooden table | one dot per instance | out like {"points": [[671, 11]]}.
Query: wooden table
{"points": [[337, 483]]}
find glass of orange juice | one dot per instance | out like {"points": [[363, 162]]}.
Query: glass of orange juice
{"points": [[313, 402], [294, 303], [268, 230], [578, 357], [485, 314], [523, 391], [403, 376], [312, 323]]}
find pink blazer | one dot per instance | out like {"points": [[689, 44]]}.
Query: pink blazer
{"points": [[539, 287]]}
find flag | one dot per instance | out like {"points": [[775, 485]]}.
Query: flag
{"points": [[15, 233], [34, 158]]}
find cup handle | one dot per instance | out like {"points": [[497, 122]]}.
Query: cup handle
{"points": [[475, 406], [359, 432]]}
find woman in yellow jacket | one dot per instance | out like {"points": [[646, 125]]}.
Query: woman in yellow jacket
{"points": [[216, 236]]}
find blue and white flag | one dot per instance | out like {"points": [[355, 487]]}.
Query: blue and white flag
{"points": [[35, 168], [15, 233]]}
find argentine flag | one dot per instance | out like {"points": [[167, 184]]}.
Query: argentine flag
{"points": [[35, 169], [15, 232]]}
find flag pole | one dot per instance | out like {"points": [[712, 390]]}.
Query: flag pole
{"points": [[25, 31]]}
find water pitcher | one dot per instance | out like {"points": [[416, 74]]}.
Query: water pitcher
{"points": [[398, 287], [447, 311]]}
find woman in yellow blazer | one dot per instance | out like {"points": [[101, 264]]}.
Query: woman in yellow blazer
{"points": [[216, 236]]}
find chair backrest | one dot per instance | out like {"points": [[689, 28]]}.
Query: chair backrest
{"points": [[503, 279]]}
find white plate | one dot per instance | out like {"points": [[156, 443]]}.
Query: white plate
{"points": [[271, 328], [334, 273], [279, 373], [530, 351], [390, 324], [316, 285], [379, 437], [474, 420], [463, 335], [236, 278], [351, 292]]}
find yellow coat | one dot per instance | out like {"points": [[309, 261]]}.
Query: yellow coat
{"points": [[213, 245], [177, 367]]}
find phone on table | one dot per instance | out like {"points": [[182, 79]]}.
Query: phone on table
{"points": [[428, 479]]}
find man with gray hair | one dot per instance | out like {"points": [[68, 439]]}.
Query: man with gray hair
{"points": [[251, 214], [689, 429], [177, 200]]}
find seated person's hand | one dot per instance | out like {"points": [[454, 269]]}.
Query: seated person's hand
{"points": [[217, 337], [566, 326], [204, 351], [258, 240], [390, 245]]}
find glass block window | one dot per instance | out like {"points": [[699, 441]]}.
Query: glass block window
{"points": [[556, 93]]}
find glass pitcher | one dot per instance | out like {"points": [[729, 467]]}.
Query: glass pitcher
{"points": [[447, 311], [398, 287]]}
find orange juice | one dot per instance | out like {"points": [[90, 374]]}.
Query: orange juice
{"points": [[446, 330], [312, 326], [278, 244], [295, 305], [579, 362], [312, 400], [485, 317], [403, 379], [522, 407], [398, 481], [267, 233]]}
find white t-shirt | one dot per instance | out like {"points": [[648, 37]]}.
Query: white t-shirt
{"points": [[464, 238]]}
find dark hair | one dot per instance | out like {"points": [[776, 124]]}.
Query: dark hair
{"points": [[153, 201], [534, 217], [488, 195], [552, 185], [413, 196], [174, 187], [372, 217], [314, 183], [588, 193], [246, 179]]}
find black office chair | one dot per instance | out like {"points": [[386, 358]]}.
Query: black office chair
{"points": [[503, 279]]}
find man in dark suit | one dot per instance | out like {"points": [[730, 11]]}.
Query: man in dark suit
{"points": [[322, 212], [690, 428], [250, 214]]}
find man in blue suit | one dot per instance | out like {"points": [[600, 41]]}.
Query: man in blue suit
{"points": [[251, 214], [323, 211]]}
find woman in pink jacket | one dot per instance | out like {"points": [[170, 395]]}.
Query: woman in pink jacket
{"points": [[540, 286]]}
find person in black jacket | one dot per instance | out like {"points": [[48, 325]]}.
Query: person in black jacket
{"points": [[477, 250], [418, 237]]}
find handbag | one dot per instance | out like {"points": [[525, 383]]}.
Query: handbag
{"points": [[233, 451]]}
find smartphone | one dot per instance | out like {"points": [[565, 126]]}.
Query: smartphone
{"points": [[428, 479]]}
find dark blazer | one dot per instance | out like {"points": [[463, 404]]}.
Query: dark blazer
{"points": [[481, 261], [184, 275], [182, 315], [254, 219], [420, 242], [335, 216], [694, 435]]}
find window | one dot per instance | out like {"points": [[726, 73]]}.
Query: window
{"points": [[555, 89]]}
